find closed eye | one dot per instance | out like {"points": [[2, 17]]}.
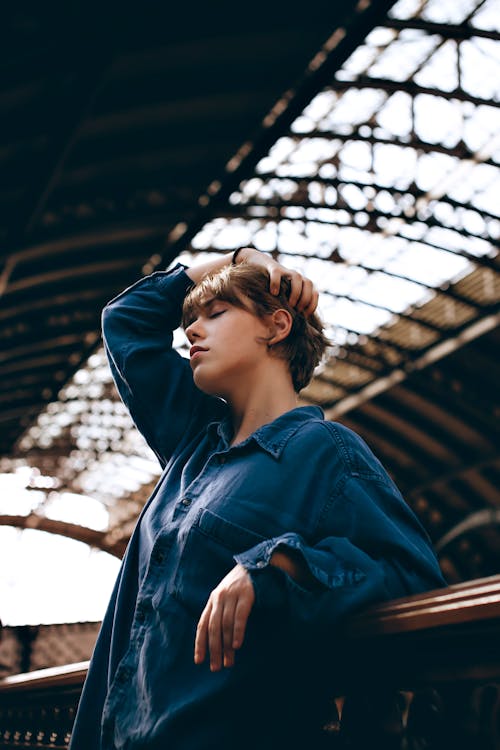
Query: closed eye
{"points": [[216, 313]]}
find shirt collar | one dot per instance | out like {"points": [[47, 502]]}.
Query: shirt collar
{"points": [[271, 437]]}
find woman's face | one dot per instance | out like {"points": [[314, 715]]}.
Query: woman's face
{"points": [[228, 348]]}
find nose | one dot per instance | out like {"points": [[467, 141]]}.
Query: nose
{"points": [[193, 331]]}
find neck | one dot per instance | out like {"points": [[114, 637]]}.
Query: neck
{"points": [[252, 408]]}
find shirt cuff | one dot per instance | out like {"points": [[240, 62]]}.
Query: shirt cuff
{"points": [[328, 566], [259, 557], [269, 588], [176, 280]]}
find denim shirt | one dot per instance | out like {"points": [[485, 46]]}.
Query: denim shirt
{"points": [[300, 483]]}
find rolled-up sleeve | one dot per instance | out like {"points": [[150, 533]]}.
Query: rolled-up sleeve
{"points": [[384, 557]]}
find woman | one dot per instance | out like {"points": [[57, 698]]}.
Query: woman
{"points": [[269, 524]]}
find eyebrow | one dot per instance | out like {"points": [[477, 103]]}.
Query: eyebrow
{"points": [[203, 305], [208, 302]]}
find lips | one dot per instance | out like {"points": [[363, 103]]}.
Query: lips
{"points": [[196, 350]]}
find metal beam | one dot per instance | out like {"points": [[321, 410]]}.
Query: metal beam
{"points": [[337, 48], [433, 354], [411, 88], [71, 530], [448, 30]]}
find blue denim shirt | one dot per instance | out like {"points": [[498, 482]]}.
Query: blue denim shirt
{"points": [[299, 482]]}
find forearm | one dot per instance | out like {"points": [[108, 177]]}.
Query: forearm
{"points": [[197, 272], [151, 306], [294, 565], [245, 254], [154, 381]]}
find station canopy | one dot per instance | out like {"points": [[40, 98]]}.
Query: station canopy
{"points": [[359, 146]]}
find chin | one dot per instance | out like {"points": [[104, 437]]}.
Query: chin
{"points": [[206, 385]]}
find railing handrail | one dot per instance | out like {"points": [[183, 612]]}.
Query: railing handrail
{"points": [[67, 675], [450, 606], [453, 606]]}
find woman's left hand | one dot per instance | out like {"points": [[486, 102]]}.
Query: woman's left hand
{"points": [[221, 627]]}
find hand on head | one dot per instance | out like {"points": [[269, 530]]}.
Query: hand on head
{"points": [[303, 295]]}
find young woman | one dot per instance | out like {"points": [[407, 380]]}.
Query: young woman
{"points": [[269, 524]]}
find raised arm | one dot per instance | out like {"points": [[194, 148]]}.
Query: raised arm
{"points": [[153, 380]]}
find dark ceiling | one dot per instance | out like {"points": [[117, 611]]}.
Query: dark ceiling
{"points": [[113, 122], [117, 126]]}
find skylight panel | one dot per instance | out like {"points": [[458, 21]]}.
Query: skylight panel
{"points": [[426, 264], [358, 63], [482, 129], [291, 238], [437, 120], [487, 200], [441, 71], [405, 9], [432, 168], [453, 241], [404, 56], [357, 316], [354, 107], [487, 16], [324, 237], [394, 165], [396, 114], [365, 248], [448, 11], [320, 105], [395, 294], [354, 196], [357, 155], [480, 68]]}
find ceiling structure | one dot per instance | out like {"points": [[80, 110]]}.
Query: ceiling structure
{"points": [[361, 147]]}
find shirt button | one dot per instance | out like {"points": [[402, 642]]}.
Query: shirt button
{"points": [[260, 564], [186, 501], [158, 556], [123, 677], [222, 459], [141, 615]]}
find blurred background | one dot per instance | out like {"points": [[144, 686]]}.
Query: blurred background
{"points": [[358, 142]]}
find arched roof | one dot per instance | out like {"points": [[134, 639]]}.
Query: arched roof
{"points": [[361, 146]]}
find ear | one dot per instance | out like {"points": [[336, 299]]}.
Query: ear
{"points": [[280, 325]]}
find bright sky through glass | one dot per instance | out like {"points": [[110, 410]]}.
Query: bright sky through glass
{"points": [[384, 189]]}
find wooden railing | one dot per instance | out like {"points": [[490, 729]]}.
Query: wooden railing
{"points": [[421, 673], [37, 709]]}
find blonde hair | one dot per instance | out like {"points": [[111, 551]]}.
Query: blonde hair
{"points": [[247, 287]]}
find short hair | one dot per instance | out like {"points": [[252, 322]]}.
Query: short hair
{"points": [[306, 343]]}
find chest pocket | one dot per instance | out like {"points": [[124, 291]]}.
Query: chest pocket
{"points": [[207, 556]]}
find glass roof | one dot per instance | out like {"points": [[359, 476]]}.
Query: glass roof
{"points": [[384, 191]]}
